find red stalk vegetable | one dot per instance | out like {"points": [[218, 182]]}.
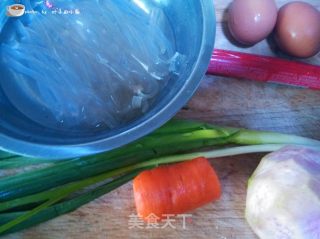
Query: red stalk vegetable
{"points": [[264, 68], [175, 188]]}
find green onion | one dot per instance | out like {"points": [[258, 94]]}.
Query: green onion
{"points": [[20, 162], [154, 145], [62, 207], [5, 155], [167, 140]]}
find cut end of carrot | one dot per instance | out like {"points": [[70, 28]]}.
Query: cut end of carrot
{"points": [[176, 188]]}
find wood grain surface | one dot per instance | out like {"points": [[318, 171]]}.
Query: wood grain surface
{"points": [[222, 101]]}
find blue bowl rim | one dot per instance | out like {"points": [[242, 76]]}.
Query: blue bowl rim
{"points": [[45, 151]]}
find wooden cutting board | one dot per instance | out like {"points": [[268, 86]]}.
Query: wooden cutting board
{"points": [[222, 101]]}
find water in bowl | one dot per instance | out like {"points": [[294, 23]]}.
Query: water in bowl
{"points": [[92, 64]]}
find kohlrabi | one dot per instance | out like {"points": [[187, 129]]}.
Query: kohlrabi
{"points": [[283, 198]]}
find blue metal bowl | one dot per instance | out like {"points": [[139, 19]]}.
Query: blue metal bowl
{"points": [[193, 25]]}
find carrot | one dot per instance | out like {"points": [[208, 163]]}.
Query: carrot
{"points": [[175, 188]]}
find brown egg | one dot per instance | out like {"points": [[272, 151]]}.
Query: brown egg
{"points": [[251, 21], [298, 29]]}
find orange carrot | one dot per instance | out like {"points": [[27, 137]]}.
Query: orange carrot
{"points": [[176, 188]]}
